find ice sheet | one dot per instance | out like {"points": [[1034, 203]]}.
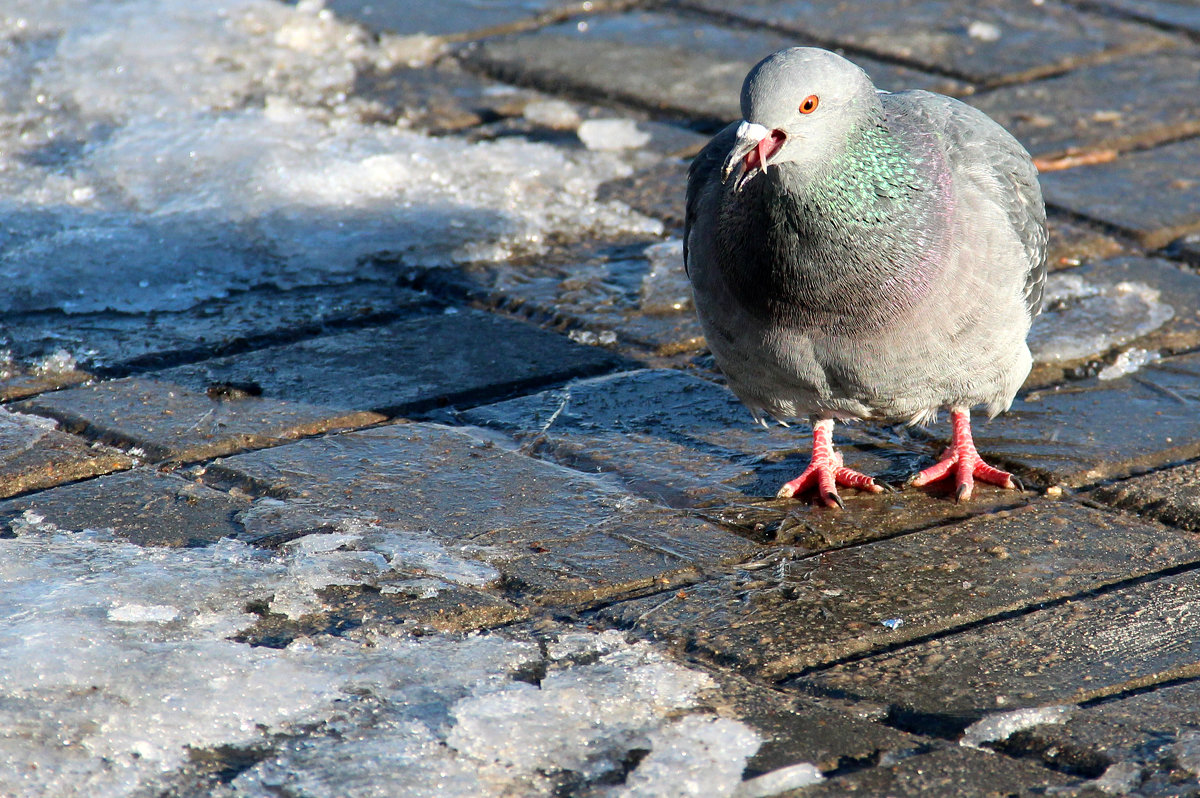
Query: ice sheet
{"points": [[1082, 319], [119, 662], [156, 153]]}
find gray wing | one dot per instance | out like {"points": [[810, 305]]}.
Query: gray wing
{"points": [[973, 140], [705, 175]]}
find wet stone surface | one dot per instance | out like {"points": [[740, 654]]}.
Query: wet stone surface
{"points": [[114, 344], [636, 294], [1173, 13], [407, 366], [467, 19], [800, 728], [1146, 194], [142, 506], [951, 771], [556, 534], [1074, 651], [1171, 495], [160, 420], [1118, 105], [675, 438], [441, 99], [781, 615], [670, 63], [1149, 742], [1073, 242], [1000, 42], [367, 610], [1096, 429], [34, 455]]}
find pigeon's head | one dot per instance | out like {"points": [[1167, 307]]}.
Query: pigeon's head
{"points": [[799, 106]]}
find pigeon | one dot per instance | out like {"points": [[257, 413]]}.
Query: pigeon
{"points": [[862, 254]]}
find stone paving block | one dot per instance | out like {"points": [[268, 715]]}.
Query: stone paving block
{"points": [[35, 455], [166, 421], [22, 381], [113, 344], [1094, 312], [1171, 495], [657, 191], [1073, 242], [1006, 41], [1183, 14], [1096, 429], [622, 294], [687, 442], [799, 729], [1122, 104], [952, 772], [142, 506], [1153, 196], [1079, 650], [782, 616], [556, 534], [407, 366], [1153, 737], [665, 62], [463, 20]]}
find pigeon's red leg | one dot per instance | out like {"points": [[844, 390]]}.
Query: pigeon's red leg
{"points": [[964, 461], [825, 471]]}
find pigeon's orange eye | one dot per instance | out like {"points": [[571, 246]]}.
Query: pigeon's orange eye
{"points": [[810, 104]]}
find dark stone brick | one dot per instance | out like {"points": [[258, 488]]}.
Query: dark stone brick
{"points": [[1095, 429], [1129, 103], [948, 773], [999, 42], [1075, 651], [407, 366], [142, 506], [556, 535], [168, 422], [783, 616], [665, 62], [1153, 195], [34, 455]]}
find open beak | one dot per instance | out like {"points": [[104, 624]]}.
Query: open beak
{"points": [[751, 152]]}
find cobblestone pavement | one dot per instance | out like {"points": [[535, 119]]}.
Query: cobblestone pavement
{"points": [[554, 422]]}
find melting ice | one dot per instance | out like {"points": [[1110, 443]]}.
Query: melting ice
{"points": [[118, 662], [1083, 320], [155, 153]]}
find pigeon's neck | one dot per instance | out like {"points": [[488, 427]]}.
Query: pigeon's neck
{"points": [[858, 240]]}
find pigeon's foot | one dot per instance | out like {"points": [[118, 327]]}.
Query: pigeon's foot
{"points": [[825, 471], [964, 461]]}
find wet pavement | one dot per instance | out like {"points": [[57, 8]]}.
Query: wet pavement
{"points": [[523, 459]]}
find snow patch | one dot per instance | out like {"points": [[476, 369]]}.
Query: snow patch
{"points": [[612, 134]]}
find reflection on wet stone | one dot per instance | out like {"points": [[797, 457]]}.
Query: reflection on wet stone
{"points": [[1067, 653], [1098, 429], [166, 421], [557, 534], [142, 506], [635, 294], [783, 615]]}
